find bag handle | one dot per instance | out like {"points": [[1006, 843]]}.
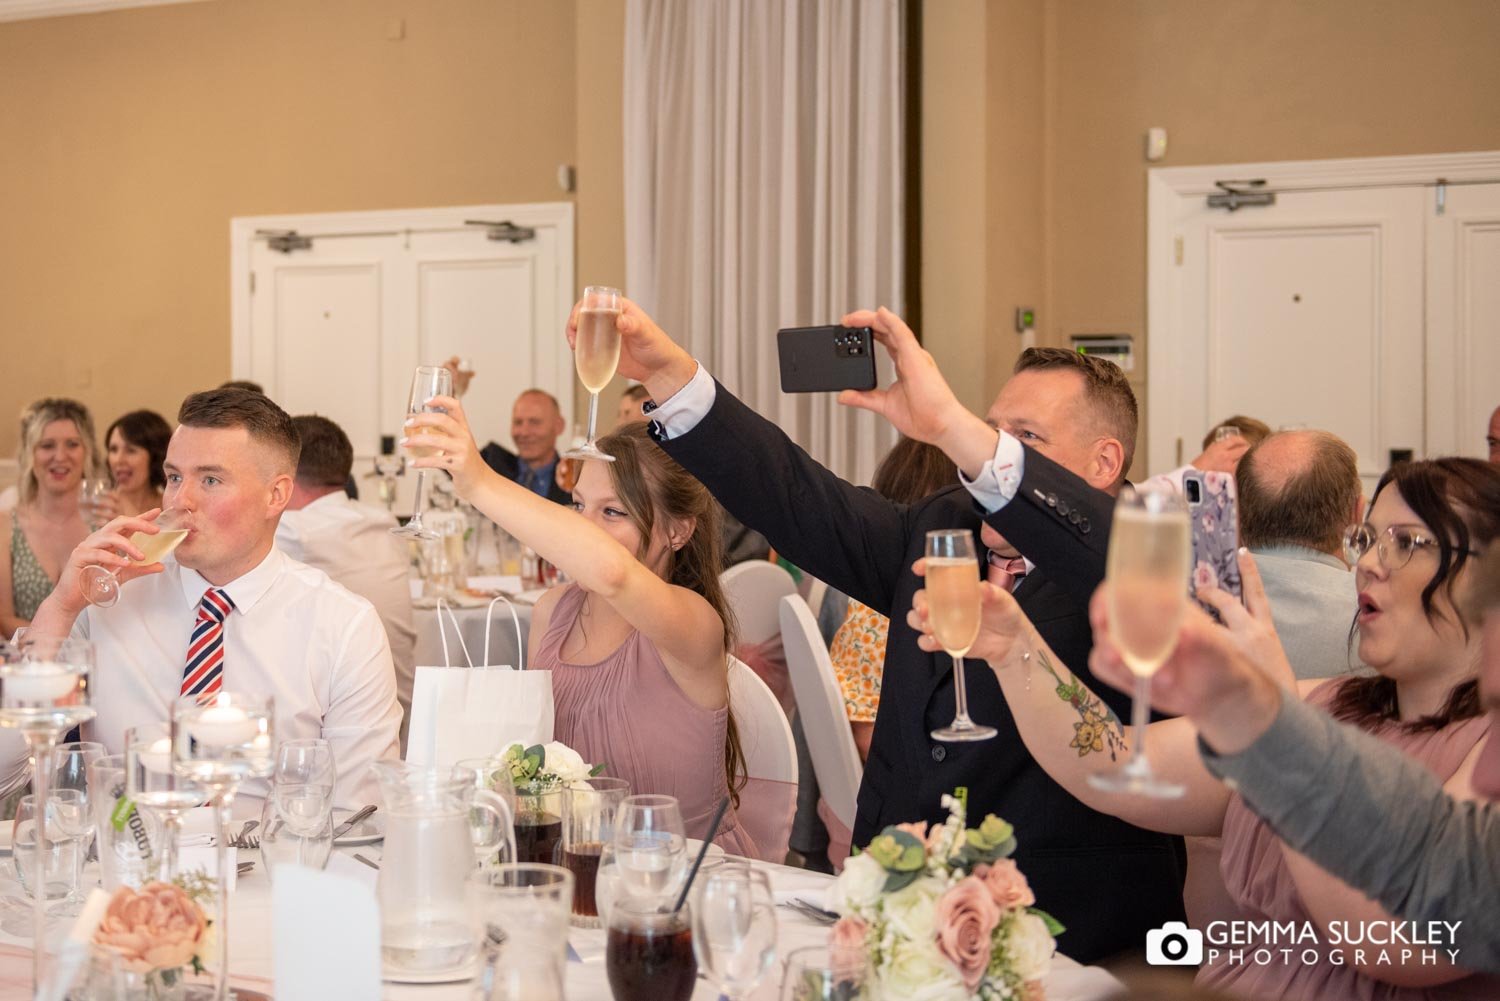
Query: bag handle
{"points": [[442, 606], [489, 616]]}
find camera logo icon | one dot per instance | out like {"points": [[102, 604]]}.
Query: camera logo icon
{"points": [[1174, 944]]}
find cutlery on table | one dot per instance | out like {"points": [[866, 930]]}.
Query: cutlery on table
{"points": [[349, 825], [360, 858]]}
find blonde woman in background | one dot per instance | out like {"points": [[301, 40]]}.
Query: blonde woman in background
{"points": [[56, 453]]}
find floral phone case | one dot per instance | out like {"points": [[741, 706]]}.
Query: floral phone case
{"points": [[1216, 532]]}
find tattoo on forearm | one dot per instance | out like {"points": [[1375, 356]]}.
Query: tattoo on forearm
{"points": [[1098, 730]]}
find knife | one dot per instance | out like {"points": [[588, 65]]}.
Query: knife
{"points": [[348, 825]]}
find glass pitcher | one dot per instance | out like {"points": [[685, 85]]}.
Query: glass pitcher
{"points": [[429, 853]]}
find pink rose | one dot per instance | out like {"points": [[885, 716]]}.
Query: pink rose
{"points": [[1007, 884], [966, 917], [156, 928], [846, 944], [918, 830]]}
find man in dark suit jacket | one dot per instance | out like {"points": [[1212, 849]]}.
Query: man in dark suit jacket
{"points": [[1068, 426], [536, 421]]}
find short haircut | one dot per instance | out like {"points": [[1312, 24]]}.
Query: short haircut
{"points": [[149, 430], [636, 392], [1105, 388], [327, 456], [34, 420], [1309, 506], [543, 394], [1252, 430], [262, 419], [246, 384]]}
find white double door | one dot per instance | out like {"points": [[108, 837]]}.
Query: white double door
{"points": [[337, 329], [1372, 311]]}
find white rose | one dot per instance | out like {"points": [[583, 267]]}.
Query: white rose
{"points": [[1029, 946], [909, 911], [858, 885], [918, 972], [564, 762]]}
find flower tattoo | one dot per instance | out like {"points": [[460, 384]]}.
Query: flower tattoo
{"points": [[1098, 730]]}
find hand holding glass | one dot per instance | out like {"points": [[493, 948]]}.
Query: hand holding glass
{"points": [[596, 355], [101, 586], [429, 381]]}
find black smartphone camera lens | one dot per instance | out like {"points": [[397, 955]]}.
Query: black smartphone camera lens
{"points": [[1194, 491]]}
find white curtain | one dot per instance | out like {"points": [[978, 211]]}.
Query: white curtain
{"points": [[763, 189]]}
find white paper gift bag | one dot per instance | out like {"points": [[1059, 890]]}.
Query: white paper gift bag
{"points": [[476, 710]]}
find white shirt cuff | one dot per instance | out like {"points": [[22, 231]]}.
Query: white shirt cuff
{"points": [[1000, 477], [686, 407]]}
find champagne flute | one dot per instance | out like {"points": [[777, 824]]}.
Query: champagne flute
{"points": [[1150, 558], [44, 693], [429, 381], [91, 491], [217, 745], [596, 355], [734, 928], [101, 586], [953, 604]]}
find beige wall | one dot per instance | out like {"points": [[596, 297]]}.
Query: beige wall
{"points": [[128, 141]]}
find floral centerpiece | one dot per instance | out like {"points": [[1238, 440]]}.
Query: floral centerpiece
{"points": [[943, 915], [159, 932], [540, 773]]}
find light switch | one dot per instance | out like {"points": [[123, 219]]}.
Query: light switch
{"points": [[1156, 143]]}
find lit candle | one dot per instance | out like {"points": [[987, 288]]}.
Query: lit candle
{"points": [[41, 681], [157, 757], [222, 726]]}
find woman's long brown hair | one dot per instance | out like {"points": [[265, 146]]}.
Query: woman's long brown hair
{"points": [[651, 485]]}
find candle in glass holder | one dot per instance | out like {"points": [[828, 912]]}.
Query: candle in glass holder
{"points": [[157, 757], [223, 726], [40, 682]]}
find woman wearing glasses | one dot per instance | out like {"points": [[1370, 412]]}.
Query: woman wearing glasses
{"points": [[1413, 557]]}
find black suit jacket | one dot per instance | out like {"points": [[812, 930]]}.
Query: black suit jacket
{"points": [[1107, 881], [503, 461]]}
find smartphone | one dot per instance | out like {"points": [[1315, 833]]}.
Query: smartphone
{"points": [[826, 359], [1214, 514]]}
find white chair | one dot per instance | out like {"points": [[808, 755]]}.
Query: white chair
{"points": [[769, 798], [830, 742], [753, 588]]}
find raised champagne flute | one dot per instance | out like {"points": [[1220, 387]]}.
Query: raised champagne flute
{"points": [[44, 693], [1150, 558], [101, 585], [953, 606], [218, 744], [596, 355], [429, 381]]}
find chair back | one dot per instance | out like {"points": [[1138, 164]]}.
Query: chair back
{"points": [[830, 743], [769, 797], [753, 588]]}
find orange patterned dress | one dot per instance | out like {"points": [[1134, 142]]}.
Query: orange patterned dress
{"points": [[858, 655]]}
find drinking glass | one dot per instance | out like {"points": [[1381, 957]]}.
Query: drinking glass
{"points": [[1148, 568], [429, 381], [44, 693], [290, 834], [490, 845], [821, 973], [650, 849], [91, 492], [50, 871], [101, 585], [589, 809], [125, 850], [953, 604], [734, 928], [520, 913], [303, 784], [218, 744], [648, 951], [74, 811], [154, 785], [596, 355]]}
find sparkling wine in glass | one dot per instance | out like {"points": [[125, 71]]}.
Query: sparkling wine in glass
{"points": [[427, 382], [734, 928], [596, 355], [44, 693], [91, 492], [1150, 560], [101, 586], [218, 744], [953, 606]]}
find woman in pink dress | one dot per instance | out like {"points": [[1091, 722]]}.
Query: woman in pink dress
{"points": [[638, 644], [1427, 522]]}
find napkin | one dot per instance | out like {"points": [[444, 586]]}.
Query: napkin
{"points": [[317, 917]]}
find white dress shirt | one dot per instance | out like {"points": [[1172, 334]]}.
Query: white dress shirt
{"points": [[295, 635], [993, 488], [352, 543]]}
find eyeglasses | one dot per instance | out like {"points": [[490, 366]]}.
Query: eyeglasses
{"points": [[1393, 547]]}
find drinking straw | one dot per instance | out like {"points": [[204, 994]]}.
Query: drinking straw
{"points": [[713, 829]]}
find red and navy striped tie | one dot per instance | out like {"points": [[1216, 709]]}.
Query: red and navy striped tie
{"points": [[204, 673]]}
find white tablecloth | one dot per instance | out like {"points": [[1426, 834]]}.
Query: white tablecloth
{"points": [[250, 946], [471, 620]]}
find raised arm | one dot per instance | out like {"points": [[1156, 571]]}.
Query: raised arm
{"points": [[109, 547], [1071, 732], [682, 624]]}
